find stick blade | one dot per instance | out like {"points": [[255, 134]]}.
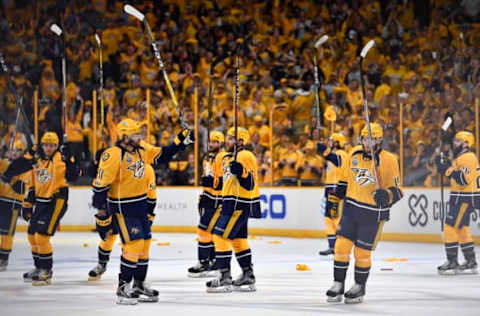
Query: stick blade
{"points": [[132, 11], [99, 41], [321, 41], [56, 29], [366, 48]]}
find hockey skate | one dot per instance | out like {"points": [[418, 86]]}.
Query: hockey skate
{"points": [[335, 293], [355, 294], [28, 276], [125, 294], [246, 282], [96, 273], [448, 268], [145, 293], [326, 252], [43, 277], [468, 267], [203, 269], [3, 265], [222, 284]]}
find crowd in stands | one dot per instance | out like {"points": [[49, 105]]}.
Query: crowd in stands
{"points": [[425, 62]]}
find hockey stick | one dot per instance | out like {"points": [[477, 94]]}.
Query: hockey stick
{"points": [[19, 103], [445, 127], [58, 31], [140, 16], [363, 54], [235, 105], [102, 102], [215, 62], [317, 44]]}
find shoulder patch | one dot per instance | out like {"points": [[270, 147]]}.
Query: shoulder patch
{"points": [[105, 156]]}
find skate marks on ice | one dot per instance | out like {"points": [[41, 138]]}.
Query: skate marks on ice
{"points": [[411, 287]]}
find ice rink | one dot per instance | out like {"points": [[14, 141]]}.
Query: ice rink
{"points": [[410, 287]]}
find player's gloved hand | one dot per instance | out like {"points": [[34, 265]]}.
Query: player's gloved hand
{"points": [[103, 224], [65, 151], [27, 213], [17, 167], [323, 149], [381, 198], [19, 187], [185, 137], [236, 168], [442, 166], [206, 181], [334, 201]]}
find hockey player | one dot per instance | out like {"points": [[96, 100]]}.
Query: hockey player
{"points": [[464, 175], [120, 196], [46, 203], [209, 210], [12, 192], [366, 208], [335, 156], [240, 200]]}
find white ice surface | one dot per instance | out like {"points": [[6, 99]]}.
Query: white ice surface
{"points": [[412, 288]]}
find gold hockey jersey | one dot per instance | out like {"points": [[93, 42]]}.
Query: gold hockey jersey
{"points": [[464, 174], [6, 192]]}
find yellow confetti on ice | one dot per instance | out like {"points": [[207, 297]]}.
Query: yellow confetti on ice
{"points": [[394, 259], [165, 243], [254, 237], [302, 267], [275, 242], [85, 244], [154, 239]]}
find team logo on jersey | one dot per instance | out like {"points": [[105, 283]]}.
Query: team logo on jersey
{"points": [[43, 176], [129, 159], [138, 169], [363, 176], [135, 230]]}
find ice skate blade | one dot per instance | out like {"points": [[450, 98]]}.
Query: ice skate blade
{"points": [[26, 280], [42, 283], [468, 271], [335, 299], [448, 272], [126, 301], [94, 278], [220, 289], [355, 300], [206, 274], [4, 268], [245, 288], [148, 299]]}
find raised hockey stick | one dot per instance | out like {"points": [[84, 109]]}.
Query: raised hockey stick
{"points": [[445, 126], [140, 16], [235, 105], [58, 31], [19, 103], [317, 44], [102, 101], [363, 54]]}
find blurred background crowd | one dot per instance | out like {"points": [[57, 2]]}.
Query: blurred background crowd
{"points": [[425, 65]]}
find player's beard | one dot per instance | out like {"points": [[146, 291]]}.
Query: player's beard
{"points": [[457, 150]]}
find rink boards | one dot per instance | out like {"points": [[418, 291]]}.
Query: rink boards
{"points": [[291, 212]]}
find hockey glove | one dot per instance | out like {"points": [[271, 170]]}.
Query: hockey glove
{"points": [[27, 213], [103, 224], [236, 168], [206, 181], [382, 198], [19, 187], [65, 151], [442, 166]]}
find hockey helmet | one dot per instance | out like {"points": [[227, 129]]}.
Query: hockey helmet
{"points": [[377, 131], [466, 137], [243, 134], [49, 138], [337, 137], [218, 136], [19, 145], [128, 127]]}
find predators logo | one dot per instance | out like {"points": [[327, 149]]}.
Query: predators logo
{"points": [[135, 230], [43, 176], [138, 169], [363, 176]]}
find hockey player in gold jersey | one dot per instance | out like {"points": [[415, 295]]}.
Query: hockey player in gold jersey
{"points": [[46, 202], [335, 157], [464, 175], [210, 201], [120, 196], [12, 193], [366, 208], [240, 200]]}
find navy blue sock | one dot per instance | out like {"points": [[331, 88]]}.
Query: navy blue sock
{"points": [[244, 258], [127, 269], [204, 249], [331, 241], [141, 271], [223, 259], [361, 275], [45, 261], [103, 256], [340, 270]]}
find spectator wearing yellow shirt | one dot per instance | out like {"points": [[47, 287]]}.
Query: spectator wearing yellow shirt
{"points": [[287, 163], [396, 71], [134, 94], [300, 110], [382, 90], [310, 166], [48, 85], [148, 71], [75, 136], [262, 129]]}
